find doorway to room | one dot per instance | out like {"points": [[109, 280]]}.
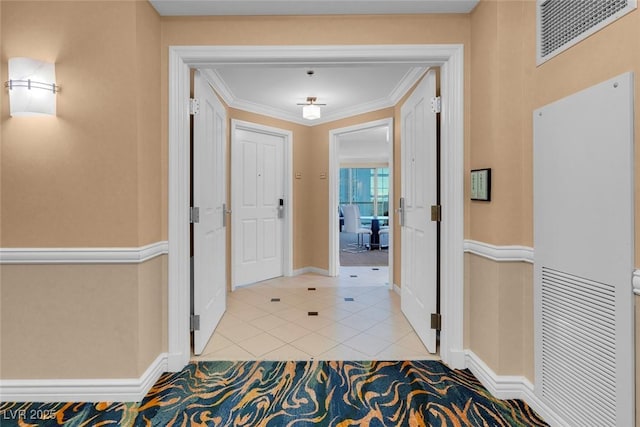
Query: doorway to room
{"points": [[182, 58], [361, 188]]}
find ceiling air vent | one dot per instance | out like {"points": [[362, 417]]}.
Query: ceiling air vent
{"points": [[563, 23]]}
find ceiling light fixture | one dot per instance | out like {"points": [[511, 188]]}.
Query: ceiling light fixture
{"points": [[32, 87], [311, 110]]}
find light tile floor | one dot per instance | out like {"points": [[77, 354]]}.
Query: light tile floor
{"points": [[358, 318]]}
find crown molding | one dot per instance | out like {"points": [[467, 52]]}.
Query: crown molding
{"points": [[408, 81], [400, 90]]}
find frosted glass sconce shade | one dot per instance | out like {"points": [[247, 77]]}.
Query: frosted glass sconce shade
{"points": [[32, 87]]}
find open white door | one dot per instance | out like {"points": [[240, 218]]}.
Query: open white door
{"points": [[209, 196], [258, 201], [419, 193]]}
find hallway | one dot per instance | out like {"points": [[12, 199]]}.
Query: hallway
{"points": [[358, 318]]}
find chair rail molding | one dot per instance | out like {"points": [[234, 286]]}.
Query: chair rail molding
{"points": [[120, 255], [499, 253]]}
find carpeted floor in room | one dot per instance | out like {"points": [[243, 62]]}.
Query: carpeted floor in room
{"points": [[303, 393], [372, 258]]}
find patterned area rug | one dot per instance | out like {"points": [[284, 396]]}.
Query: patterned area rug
{"points": [[316, 393]]}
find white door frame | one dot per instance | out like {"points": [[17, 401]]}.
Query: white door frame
{"points": [[450, 60], [287, 236], [334, 190]]}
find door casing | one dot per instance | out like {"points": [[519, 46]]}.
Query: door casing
{"points": [[450, 59]]}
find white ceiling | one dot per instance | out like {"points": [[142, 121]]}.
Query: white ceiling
{"points": [[348, 88], [365, 146], [309, 7]]}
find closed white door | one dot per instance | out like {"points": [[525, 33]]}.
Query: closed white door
{"points": [[419, 192], [209, 196], [257, 159]]}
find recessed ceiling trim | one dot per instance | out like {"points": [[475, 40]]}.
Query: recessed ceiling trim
{"points": [[363, 108], [219, 85], [309, 7], [410, 79], [276, 113], [268, 111], [224, 91], [221, 88]]}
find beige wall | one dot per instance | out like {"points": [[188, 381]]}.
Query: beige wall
{"points": [[96, 175], [496, 123], [152, 311], [319, 30], [81, 320], [499, 314], [58, 324], [506, 86], [90, 177], [149, 160]]}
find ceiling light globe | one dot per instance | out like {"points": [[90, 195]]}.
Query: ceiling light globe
{"points": [[311, 112]]}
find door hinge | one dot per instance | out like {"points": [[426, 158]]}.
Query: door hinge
{"points": [[436, 213], [194, 215], [194, 106], [436, 104], [194, 322], [436, 321]]}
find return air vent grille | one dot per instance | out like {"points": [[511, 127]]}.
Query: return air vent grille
{"points": [[563, 23], [578, 350]]}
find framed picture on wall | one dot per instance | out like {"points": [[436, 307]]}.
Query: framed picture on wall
{"points": [[481, 184]]}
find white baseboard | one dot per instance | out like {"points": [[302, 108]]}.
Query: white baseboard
{"points": [[90, 390], [511, 387], [314, 270], [456, 359], [397, 289]]}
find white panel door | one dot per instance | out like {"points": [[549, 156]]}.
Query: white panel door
{"points": [[209, 194], [257, 192], [419, 191]]}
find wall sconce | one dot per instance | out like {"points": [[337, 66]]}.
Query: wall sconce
{"points": [[32, 87]]}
